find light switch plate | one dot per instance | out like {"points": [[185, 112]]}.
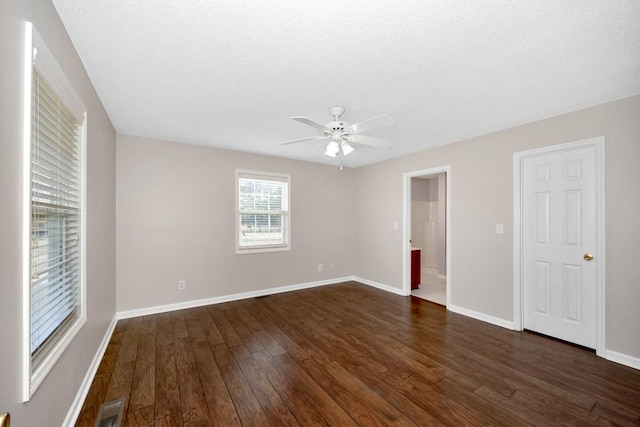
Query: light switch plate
{"points": [[499, 228]]}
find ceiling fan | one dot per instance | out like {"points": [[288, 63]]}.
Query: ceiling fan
{"points": [[341, 134]]}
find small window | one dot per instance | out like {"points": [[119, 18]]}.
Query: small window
{"points": [[54, 212], [262, 218]]}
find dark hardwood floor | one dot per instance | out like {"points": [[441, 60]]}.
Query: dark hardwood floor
{"points": [[345, 355]]}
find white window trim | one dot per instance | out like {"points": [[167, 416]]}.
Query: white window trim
{"points": [[261, 249], [48, 67]]}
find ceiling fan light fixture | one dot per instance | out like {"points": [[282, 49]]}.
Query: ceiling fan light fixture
{"points": [[346, 148], [332, 149]]}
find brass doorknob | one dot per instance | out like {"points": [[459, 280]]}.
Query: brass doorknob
{"points": [[5, 420], [587, 257]]}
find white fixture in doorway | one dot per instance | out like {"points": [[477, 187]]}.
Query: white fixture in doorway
{"points": [[406, 227], [579, 227]]}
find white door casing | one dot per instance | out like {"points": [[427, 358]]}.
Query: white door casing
{"points": [[558, 218], [406, 228]]}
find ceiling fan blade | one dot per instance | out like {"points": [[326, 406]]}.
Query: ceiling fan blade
{"points": [[372, 123], [310, 122], [369, 140], [311, 138]]}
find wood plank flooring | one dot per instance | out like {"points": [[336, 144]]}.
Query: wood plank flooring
{"points": [[347, 355]]}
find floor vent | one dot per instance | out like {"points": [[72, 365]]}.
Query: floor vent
{"points": [[110, 414]]}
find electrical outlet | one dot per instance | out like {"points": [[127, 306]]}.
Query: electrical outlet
{"points": [[320, 267], [333, 265], [499, 228], [182, 285]]}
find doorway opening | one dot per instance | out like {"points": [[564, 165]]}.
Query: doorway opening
{"points": [[426, 234]]}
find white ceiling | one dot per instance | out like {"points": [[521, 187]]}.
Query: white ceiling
{"points": [[230, 73]]}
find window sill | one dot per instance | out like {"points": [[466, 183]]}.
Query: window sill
{"points": [[263, 249]]}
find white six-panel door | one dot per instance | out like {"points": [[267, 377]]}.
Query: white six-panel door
{"points": [[559, 236]]}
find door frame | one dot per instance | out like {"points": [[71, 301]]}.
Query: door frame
{"points": [[518, 243], [406, 227]]}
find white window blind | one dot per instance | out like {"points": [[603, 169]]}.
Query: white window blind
{"points": [[54, 212], [263, 211], [55, 219]]}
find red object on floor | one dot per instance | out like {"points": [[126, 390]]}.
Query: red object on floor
{"points": [[415, 268]]}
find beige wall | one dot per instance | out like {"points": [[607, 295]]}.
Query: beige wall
{"points": [[419, 214], [176, 221], [52, 400], [442, 224], [481, 196], [425, 208]]}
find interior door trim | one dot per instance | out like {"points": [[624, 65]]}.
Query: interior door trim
{"points": [[518, 280], [406, 226]]}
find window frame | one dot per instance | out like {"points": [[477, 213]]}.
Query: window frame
{"points": [[267, 176], [39, 57]]}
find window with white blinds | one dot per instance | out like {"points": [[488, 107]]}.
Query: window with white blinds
{"points": [[55, 215], [263, 220], [55, 219]]}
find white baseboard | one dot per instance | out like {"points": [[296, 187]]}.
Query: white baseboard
{"points": [[623, 359], [397, 291], [226, 298], [481, 316], [76, 406]]}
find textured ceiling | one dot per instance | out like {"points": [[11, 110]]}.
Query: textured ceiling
{"points": [[230, 73]]}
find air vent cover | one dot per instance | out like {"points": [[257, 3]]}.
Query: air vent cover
{"points": [[110, 414]]}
